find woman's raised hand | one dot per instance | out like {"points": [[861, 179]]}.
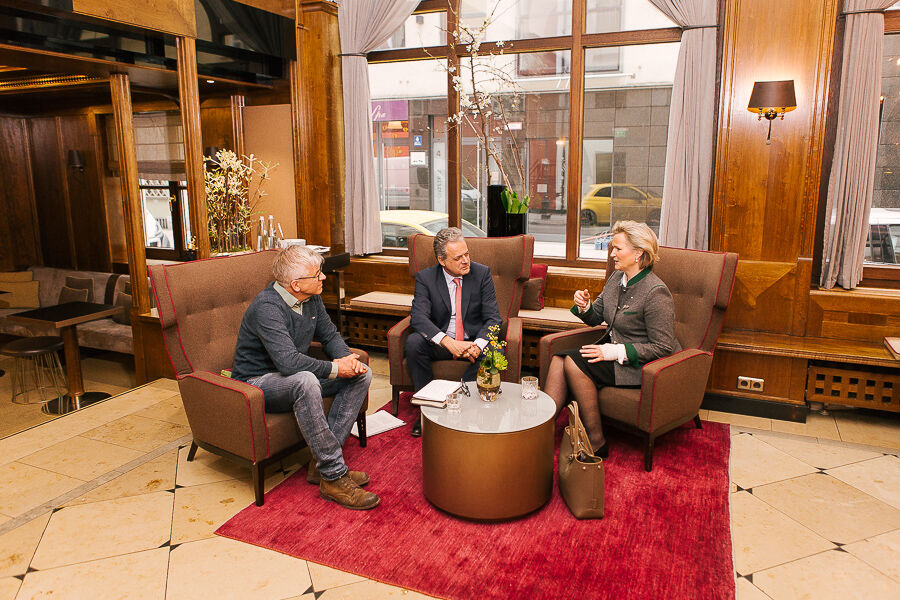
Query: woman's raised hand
{"points": [[582, 299]]}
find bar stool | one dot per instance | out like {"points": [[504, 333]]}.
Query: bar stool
{"points": [[47, 378]]}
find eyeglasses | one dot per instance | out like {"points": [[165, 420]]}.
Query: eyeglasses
{"points": [[316, 276]]}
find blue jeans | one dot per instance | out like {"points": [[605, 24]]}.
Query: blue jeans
{"points": [[302, 393]]}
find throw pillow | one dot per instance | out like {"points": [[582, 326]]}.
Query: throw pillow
{"points": [[68, 294], [533, 294], [24, 294], [17, 276], [81, 283], [123, 316]]}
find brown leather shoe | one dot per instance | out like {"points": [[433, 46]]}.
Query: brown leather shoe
{"points": [[345, 492], [313, 476]]}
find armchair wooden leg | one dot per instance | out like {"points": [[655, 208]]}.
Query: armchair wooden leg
{"points": [[361, 425], [648, 455], [395, 400], [259, 479], [697, 421], [192, 452]]}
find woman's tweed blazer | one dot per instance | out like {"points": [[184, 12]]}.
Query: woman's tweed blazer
{"points": [[641, 316]]}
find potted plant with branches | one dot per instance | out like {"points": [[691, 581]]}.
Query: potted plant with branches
{"points": [[488, 94], [234, 187]]}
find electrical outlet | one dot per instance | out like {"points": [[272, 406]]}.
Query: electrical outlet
{"points": [[750, 384]]}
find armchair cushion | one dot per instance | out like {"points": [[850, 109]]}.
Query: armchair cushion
{"points": [[533, 294]]}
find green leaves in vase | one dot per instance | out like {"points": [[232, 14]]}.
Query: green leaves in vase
{"points": [[511, 203]]}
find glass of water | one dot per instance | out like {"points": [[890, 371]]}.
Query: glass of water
{"points": [[453, 401], [529, 387]]}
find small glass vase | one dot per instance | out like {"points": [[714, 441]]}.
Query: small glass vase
{"points": [[488, 385]]}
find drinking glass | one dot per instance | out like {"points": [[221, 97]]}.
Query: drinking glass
{"points": [[529, 387], [453, 401]]}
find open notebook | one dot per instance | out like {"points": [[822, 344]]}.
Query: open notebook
{"points": [[378, 422]]}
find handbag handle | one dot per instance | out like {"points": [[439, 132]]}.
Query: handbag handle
{"points": [[577, 433]]}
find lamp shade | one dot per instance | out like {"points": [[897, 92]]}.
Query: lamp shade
{"points": [[75, 160], [772, 96]]}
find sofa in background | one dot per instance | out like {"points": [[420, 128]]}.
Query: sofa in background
{"points": [[107, 288]]}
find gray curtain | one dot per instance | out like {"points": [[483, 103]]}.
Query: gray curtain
{"points": [[685, 209], [364, 24], [852, 177]]}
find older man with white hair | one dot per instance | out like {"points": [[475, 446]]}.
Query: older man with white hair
{"points": [[272, 354]]}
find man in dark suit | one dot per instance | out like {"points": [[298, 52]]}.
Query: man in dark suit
{"points": [[456, 286]]}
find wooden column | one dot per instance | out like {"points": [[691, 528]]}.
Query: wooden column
{"points": [[237, 122], [131, 194], [189, 96], [318, 111], [576, 135], [454, 138]]}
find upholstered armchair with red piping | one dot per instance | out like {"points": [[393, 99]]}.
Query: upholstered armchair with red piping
{"points": [[201, 304], [672, 387], [509, 259]]}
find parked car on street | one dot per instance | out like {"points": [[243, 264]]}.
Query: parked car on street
{"points": [[397, 225], [606, 203]]}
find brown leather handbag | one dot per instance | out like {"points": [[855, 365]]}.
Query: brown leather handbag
{"points": [[581, 475]]}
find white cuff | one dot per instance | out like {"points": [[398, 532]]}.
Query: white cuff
{"points": [[620, 352], [334, 371], [481, 343], [438, 337]]}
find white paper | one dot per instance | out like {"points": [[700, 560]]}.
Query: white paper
{"points": [[377, 423], [437, 390]]}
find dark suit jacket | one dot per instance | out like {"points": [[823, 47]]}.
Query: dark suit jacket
{"points": [[430, 312]]}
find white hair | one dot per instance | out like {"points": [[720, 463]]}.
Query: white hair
{"points": [[292, 261]]}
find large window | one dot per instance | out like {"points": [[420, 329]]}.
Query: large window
{"points": [[883, 243], [619, 154]]}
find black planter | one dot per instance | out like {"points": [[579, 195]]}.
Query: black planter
{"points": [[499, 222]]}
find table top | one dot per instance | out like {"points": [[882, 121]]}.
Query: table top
{"points": [[508, 413], [69, 313]]}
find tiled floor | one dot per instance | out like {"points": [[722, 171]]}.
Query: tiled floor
{"points": [[102, 504]]}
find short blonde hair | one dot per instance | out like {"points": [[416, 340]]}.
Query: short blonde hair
{"points": [[290, 261], [641, 237]]}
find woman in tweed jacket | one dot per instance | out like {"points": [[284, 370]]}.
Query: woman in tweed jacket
{"points": [[640, 316]]}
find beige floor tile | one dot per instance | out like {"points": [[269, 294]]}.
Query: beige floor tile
{"points": [[836, 511], [868, 429], [170, 410], [379, 363], [9, 587], [810, 451], [166, 384], [704, 414], [201, 509], [147, 395], [119, 371], [740, 420], [138, 576], [138, 433], [154, 476], [744, 590], [102, 529], [817, 426], [764, 537], [879, 477], [881, 552], [103, 386], [207, 468], [18, 546], [754, 462], [81, 458], [370, 590], [830, 575], [23, 487], [324, 578], [221, 568]]}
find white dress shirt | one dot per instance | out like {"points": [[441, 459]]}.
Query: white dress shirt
{"points": [[451, 328]]}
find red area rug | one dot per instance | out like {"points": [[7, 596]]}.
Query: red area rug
{"points": [[665, 535]]}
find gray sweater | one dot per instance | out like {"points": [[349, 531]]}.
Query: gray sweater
{"points": [[641, 316], [275, 338]]}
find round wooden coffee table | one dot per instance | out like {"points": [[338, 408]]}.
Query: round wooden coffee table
{"points": [[490, 460]]}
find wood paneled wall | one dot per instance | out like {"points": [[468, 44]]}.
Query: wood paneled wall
{"points": [[19, 243]]}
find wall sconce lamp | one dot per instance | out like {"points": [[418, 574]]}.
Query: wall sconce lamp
{"points": [[771, 99], [76, 161]]}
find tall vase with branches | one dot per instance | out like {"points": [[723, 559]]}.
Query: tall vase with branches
{"points": [[488, 93], [234, 187]]}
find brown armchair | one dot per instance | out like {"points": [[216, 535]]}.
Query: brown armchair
{"points": [[672, 387], [201, 305], [509, 259]]}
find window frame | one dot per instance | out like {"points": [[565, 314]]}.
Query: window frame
{"points": [[576, 44]]}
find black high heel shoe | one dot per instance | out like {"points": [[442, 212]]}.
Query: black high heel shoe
{"points": [[603, 451]]}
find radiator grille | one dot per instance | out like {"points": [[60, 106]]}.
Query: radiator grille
{"points": [[852, 387]]}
